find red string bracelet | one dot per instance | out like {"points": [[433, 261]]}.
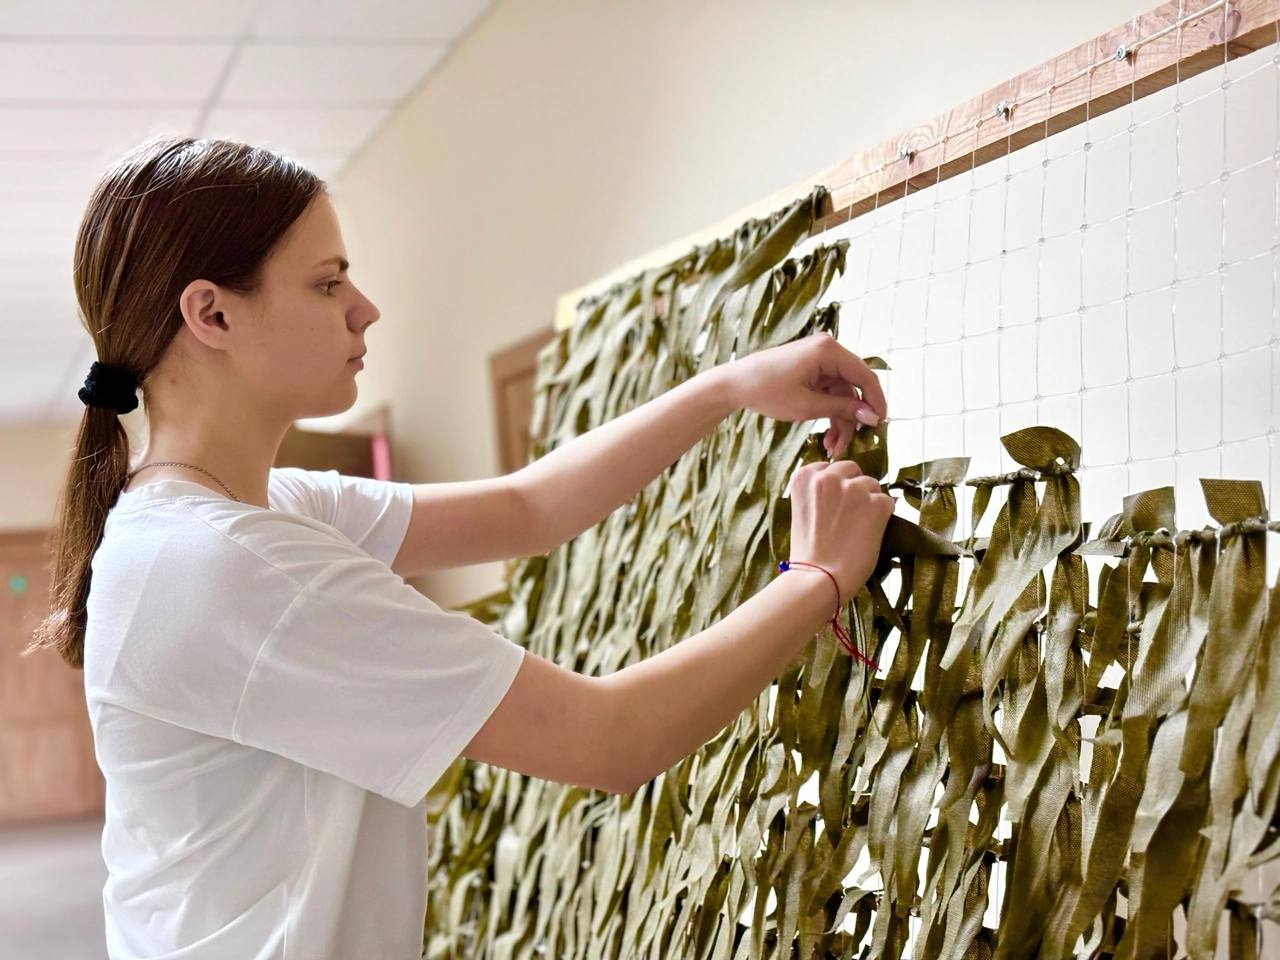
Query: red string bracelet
{"points": [[840, 632]]}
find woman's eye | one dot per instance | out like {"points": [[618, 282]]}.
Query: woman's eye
{"points": [[330, 285]]}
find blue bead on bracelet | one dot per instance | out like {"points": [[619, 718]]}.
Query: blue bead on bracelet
{"points": [[841, 634]]}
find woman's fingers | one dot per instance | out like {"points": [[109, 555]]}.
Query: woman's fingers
{"points": [[841, 415], [834, 361], [844, 415]]}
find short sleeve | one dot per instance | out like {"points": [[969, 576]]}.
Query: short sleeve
{"points": [[367, 679], [372, 514]]}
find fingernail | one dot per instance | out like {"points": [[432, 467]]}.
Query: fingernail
{"points": [[867, 417]]}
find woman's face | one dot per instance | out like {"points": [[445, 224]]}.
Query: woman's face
{"points": [[310, 322]]}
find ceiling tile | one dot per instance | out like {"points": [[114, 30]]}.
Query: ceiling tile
{"points": [[54, 308], [31, 278], [82, 82], [51, 178], [95, 73], [327, 73], [371, 19], [29, 227], [125, 18], [297, 129], [53, 332], [32, 374], [83, 131], [326, 166]]}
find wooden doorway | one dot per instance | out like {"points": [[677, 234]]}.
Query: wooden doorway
{"points": [[47, 765], [512, 373]]}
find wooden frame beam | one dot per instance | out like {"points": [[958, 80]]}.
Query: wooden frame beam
{"points": [[1153, 51]]}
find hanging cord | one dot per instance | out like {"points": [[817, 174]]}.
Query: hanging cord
{"points": [[840, 632]]}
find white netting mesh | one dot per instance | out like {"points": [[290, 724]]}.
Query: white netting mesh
{"points": [[1117, 280]]}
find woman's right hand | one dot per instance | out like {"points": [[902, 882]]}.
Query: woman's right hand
{"points": [[838, 518]]}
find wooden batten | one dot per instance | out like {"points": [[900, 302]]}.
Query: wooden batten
{"points": [[1153, 51]]}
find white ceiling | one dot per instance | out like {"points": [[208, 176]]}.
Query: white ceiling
{"points": [[82, 81]]}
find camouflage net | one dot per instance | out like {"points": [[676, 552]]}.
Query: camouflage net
{"points": [[1175, 806]]}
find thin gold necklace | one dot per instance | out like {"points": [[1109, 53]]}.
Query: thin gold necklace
{"points": [[179, 463]]}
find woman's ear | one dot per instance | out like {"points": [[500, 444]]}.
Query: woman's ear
{"points": [[200, 302]]}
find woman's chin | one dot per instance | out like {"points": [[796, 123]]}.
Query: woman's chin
{"points": [[338, 402]]}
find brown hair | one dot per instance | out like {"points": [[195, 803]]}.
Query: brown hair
{"points": [[171, 210]]}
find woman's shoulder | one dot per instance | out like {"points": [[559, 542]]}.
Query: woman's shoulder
{"points": [[370, 513], [214, 540], [316, 518]]}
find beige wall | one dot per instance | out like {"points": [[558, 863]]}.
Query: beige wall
{"points": [[33, 465], [564, 137]]}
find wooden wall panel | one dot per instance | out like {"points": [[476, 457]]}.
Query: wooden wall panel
{"points": [[47, 764], [512, 371]]}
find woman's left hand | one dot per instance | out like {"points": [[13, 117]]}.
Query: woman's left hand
{"points": [[808, 379]]}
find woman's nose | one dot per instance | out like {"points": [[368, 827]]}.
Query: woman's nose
{"points": [[371, 310]]}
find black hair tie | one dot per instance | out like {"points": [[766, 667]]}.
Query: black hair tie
{"points": [[110, 385]]}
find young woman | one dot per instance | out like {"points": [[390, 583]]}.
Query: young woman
{"points": [[270, 701]]}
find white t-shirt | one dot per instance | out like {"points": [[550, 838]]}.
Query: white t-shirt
{"points": [[270, 703]]}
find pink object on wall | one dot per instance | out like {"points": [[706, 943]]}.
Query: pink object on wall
{"points": [[381, 456]]}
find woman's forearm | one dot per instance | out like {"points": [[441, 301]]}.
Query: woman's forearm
{"points": [[578, 484], [666, 707]]}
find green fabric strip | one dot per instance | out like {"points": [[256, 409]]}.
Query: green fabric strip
{"points": [[958, 771]]}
